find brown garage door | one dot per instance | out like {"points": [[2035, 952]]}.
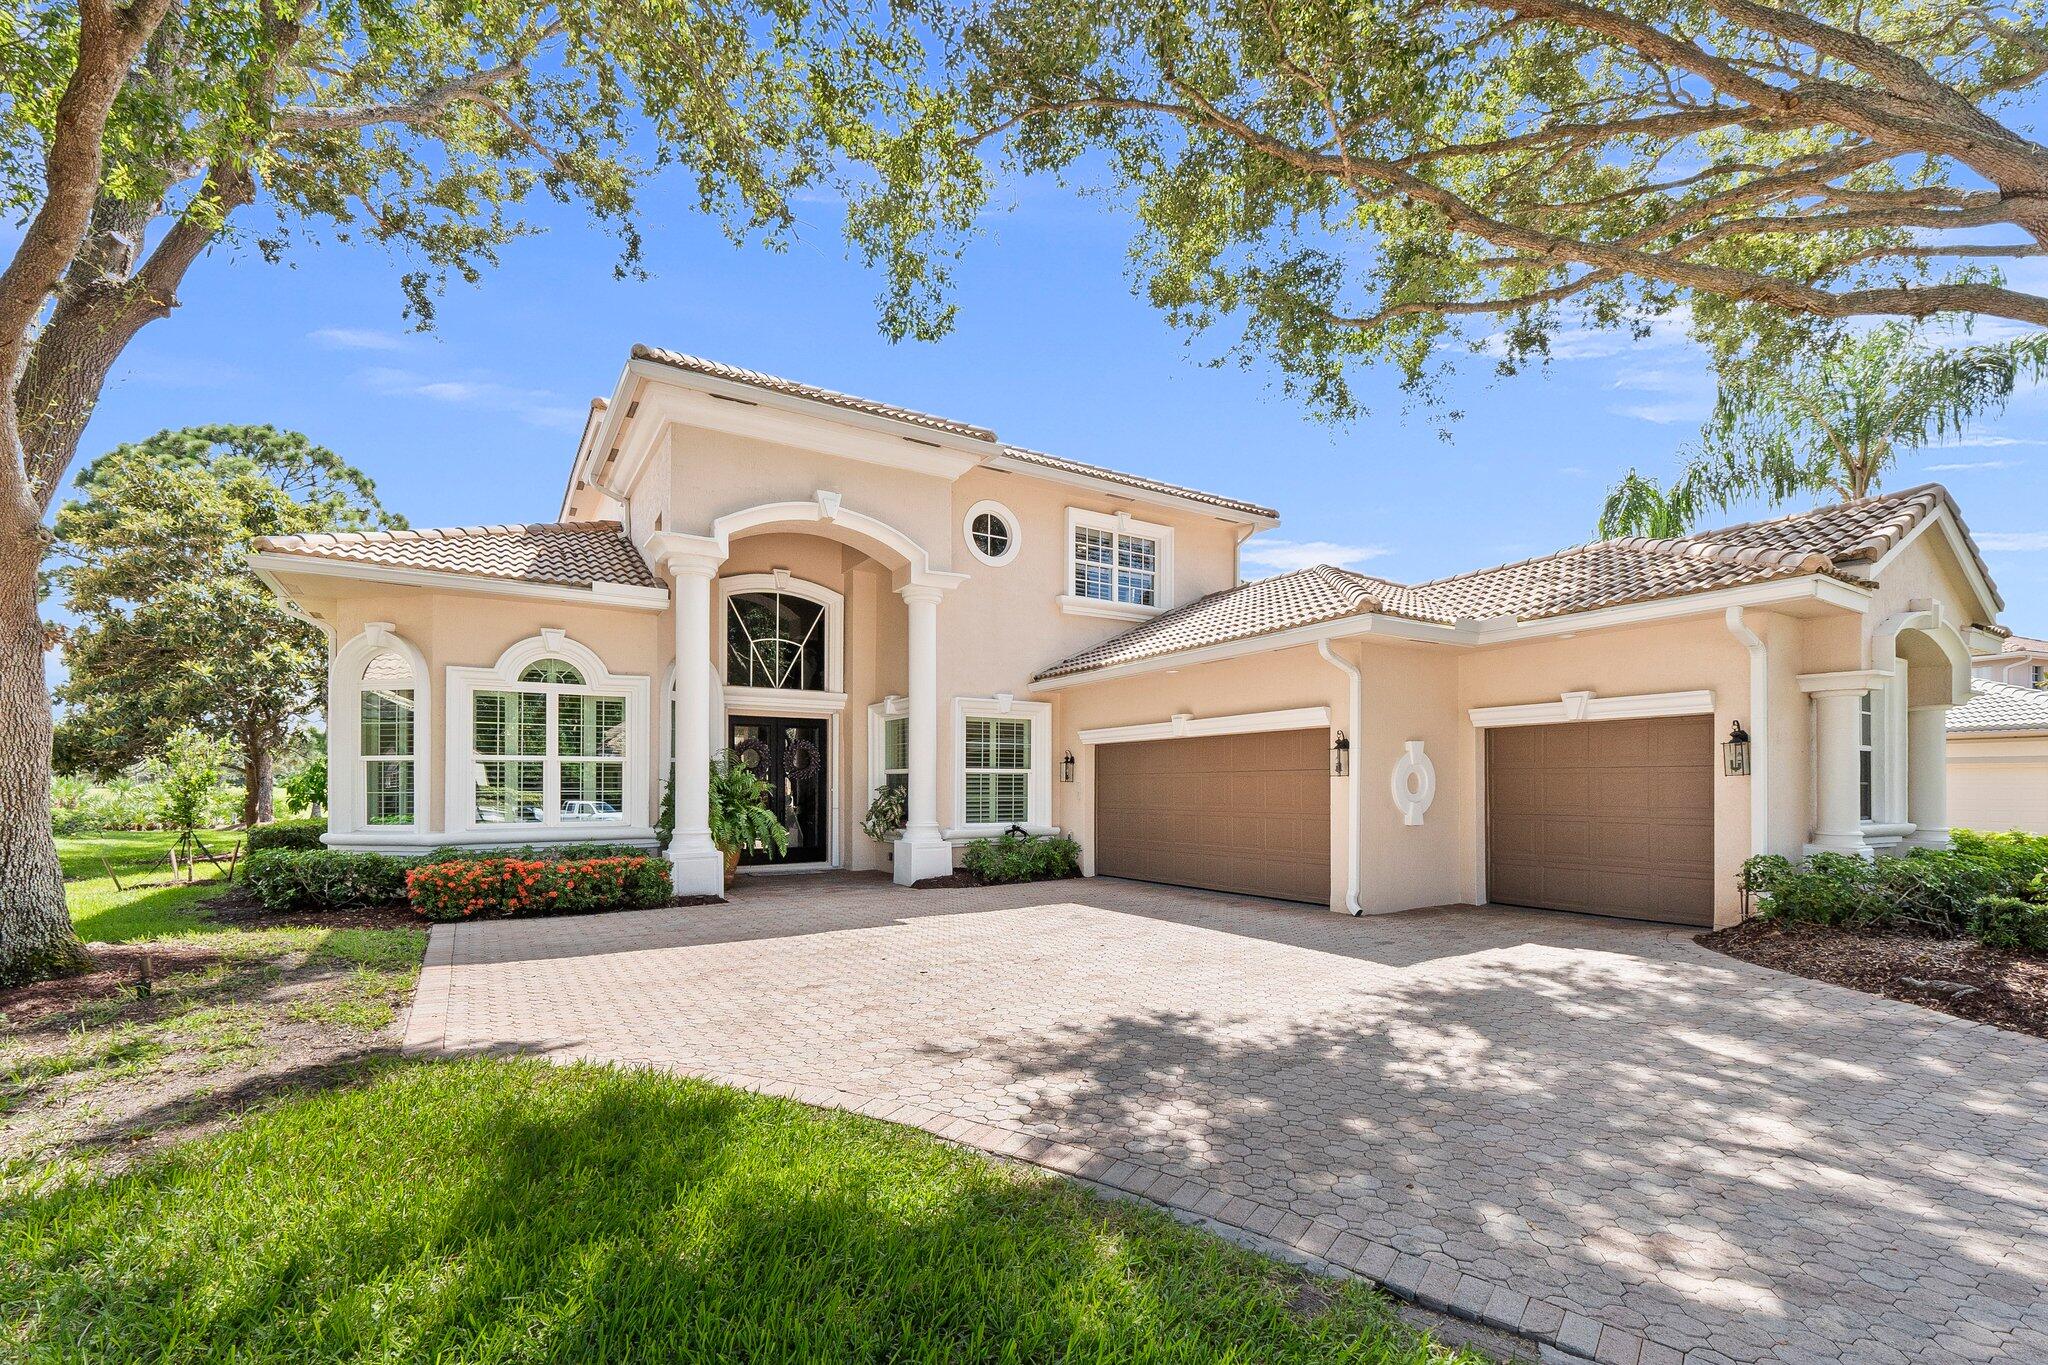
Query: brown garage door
{"points": [[1244, 813], [1612, 817]]}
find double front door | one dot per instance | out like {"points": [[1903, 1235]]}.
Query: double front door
{"points": [[789, 754]]}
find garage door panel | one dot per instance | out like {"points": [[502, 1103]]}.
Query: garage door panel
{"points": [[1606, 817], [1243, 813]]}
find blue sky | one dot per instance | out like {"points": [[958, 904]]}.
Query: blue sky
{"points": [[476, 421]]}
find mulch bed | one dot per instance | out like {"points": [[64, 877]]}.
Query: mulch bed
{"points": [[1955, 976], [238, 908], [119, 967]]}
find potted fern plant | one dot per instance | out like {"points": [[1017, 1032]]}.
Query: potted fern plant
{"points": [[740, 817]]}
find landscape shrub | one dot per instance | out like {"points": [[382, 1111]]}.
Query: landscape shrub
{"points": [[492, 888], [295, 834], [1020, 857], [324, 879], [1993, 887]]}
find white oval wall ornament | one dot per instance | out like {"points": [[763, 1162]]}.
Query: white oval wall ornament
{"points": [[1414, 783]]}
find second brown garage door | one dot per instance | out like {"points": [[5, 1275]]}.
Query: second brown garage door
{"points": [[1244, 813], [1612, 817]]}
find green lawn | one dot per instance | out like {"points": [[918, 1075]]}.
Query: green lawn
{"points": [[497, 1210], [103, 914]]}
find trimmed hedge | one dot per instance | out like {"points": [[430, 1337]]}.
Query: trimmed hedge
{"points": [[324, 879], [296, 834], [1020, 857], [1990, 887], [499, 888]]}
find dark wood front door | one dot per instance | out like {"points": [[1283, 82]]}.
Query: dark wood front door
{"points": [[789, 755]]}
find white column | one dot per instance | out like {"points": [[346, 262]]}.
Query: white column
{"points": [[1927, 775], [1837, 775], [699, 866], [922, 851]]}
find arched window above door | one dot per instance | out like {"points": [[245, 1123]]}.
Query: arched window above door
{"points": [[781, 634]]}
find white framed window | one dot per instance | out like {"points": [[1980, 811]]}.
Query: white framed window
{"points": [[548, 740], [889, 745], [1002, 755], [782, 646], [1866, 756], [388, 743], [1116, 565], [379, 691], [992, 533]]}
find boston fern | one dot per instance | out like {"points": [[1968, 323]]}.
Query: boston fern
{"points": [[740, 818], [886, 813]]}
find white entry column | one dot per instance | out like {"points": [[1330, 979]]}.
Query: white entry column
{"points": [[922, 851], [1837, 767], [699, 867], [1927, 775]]}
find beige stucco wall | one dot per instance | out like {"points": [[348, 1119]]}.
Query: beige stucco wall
{"points": [[1998, 783]]}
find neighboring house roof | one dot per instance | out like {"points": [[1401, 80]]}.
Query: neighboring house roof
{"points": [[2024, 644], [576, 553], [1834, 541], [791, 388], [2000, 708]]}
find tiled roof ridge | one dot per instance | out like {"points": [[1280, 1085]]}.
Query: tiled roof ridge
{"points": [[1355, 586], [321, 539]]}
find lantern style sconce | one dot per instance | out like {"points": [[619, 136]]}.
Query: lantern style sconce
{"points": [[1735, 752], [1067, 767], [1340, 756]]}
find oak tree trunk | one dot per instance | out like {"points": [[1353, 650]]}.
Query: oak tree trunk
{"points": [[36, 937]]}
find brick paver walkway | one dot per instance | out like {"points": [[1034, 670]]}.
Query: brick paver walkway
{"points": [[1597, 1132]]}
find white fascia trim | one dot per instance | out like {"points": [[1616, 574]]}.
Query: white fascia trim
{"points": [[602, 594], [1113, 611], [706, 403], [1987, 594], [1115, 489], [775, 701], [1183, 726], [1573, 707], [1997, 760]]}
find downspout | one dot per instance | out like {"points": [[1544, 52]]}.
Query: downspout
{"points": [[1759, 731], [1355, 836]]}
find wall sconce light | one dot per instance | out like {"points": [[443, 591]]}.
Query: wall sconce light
{"points": [[1067, 767], [1340, 756], [1735, 752]]}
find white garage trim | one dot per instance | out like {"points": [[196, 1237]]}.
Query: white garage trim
{"points": [[1183, 726], [1573, 707]]}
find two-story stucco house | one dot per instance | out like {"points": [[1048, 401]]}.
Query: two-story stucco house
{"points": [[852, 595]]}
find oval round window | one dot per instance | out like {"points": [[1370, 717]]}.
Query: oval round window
{"points": [[991, 533]]}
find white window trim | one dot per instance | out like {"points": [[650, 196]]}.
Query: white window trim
{"points": [[459, 789], [780, 580], [1182, 725], [1003, 705], [1572, 707], [1121, 523], [994, 508], [347, 801], [879, 714]]}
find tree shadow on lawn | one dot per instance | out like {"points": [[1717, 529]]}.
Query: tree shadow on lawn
{"points": [[460, 1210], [1675, 1142]]}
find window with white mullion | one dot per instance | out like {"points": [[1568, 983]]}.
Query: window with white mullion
{"points": [[1116, 566], [895, 772], [998, 770], [387, 754], [1866, 757], [548, 753]]}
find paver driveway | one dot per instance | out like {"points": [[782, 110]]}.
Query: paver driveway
{"points": [[1574, 1123]]}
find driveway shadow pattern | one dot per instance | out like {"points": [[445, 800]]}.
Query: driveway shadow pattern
{"points": [[1716, 1162]]}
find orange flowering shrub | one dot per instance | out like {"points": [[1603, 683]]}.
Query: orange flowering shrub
{"points": [[501, 888]]}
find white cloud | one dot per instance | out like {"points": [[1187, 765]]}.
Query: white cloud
{"points": [[1973, 464], [1986, 441], [2014, 540], [534, 407], [356, 339], [1289, 555]]}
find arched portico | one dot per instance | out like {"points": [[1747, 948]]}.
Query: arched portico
{"points": [[692, 563]]}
